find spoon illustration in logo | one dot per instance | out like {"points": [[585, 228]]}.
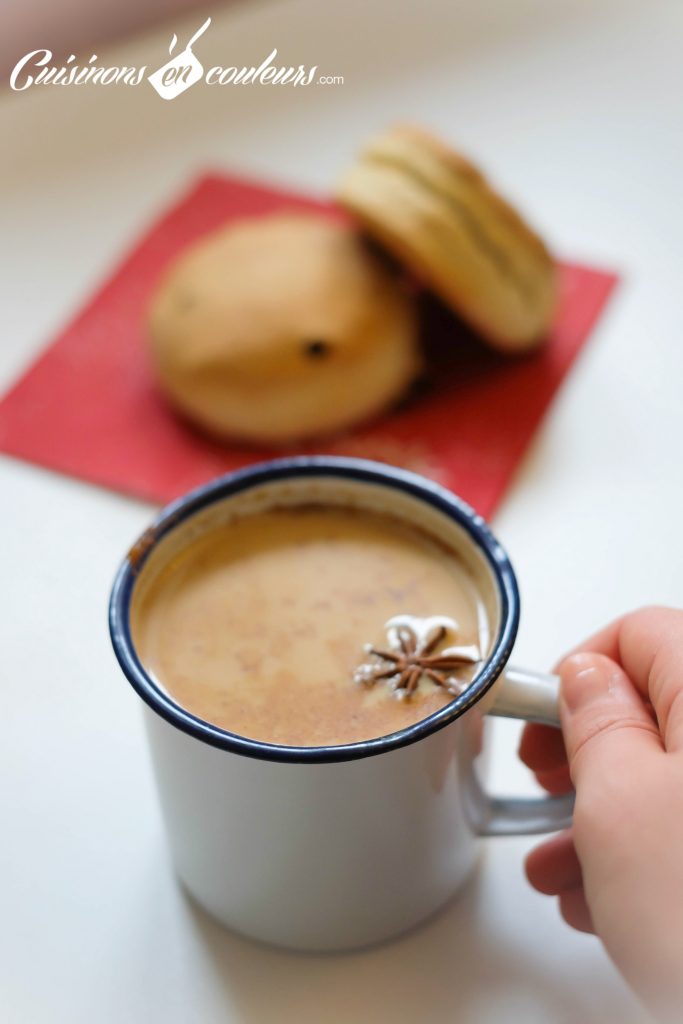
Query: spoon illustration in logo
{"points": [[182, 71]]}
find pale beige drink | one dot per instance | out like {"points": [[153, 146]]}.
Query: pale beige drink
{"points": [[259, 625]]}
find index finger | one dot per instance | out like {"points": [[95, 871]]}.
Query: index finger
{"points": [[542, 748]]}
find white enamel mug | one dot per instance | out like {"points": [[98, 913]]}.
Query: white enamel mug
{"points": [[329, 848]]}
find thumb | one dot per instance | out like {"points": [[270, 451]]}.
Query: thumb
{"points": [[603, 715]]}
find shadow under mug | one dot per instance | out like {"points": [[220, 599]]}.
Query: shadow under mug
{"points": [[329, 848]]}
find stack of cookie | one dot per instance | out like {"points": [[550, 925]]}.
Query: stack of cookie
{"points": [[292, 326]]}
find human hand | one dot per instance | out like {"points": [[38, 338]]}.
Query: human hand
{"points": [[618, 872]]}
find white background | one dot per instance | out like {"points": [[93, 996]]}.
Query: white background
{"points": [[575, 108]]}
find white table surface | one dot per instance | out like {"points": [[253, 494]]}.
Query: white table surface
{"points": [[576, 109]]}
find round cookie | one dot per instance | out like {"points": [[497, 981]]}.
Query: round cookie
{"points": [[282, 328], [437, 213]]}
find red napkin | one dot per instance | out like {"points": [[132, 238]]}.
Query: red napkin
{"points": [[89, 406]]}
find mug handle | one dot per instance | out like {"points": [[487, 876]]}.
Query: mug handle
{"points": [[531, 696]]}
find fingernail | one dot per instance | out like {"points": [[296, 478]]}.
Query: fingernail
{"points": [[585, 678]]}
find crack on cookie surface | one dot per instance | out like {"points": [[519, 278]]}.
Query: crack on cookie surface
{"points": [[473, 228]]}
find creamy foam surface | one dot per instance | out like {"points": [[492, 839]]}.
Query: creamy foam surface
{"points": [[258, 625]]}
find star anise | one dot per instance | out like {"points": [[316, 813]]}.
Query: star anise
{"points": [[412, 653]]}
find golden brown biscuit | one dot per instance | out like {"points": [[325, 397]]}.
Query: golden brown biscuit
{"points": [[435, 212], [282, 328]]}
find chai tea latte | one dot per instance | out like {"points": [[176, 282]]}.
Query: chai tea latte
{"points": [[312, 626]]}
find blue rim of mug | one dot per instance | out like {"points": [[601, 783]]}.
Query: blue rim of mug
{"points": [[312, 466]]}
